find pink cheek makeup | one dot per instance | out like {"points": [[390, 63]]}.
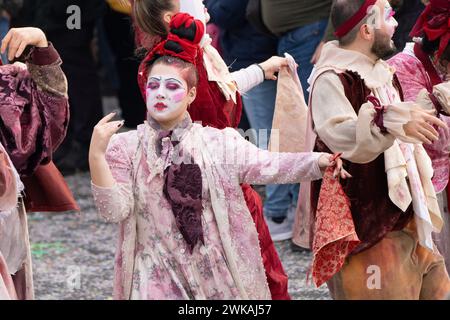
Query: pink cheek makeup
{"points": [[390, 20], [179, 96]]}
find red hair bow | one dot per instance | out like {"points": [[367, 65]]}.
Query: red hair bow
{"points": [[435, 23], [182, 42]]}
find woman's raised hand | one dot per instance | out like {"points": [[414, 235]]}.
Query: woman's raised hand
{"points": [[103, 132]]}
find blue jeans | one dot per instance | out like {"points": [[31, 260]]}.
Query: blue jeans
{"points": [[301, 43], [259, 105], [4, 28]]}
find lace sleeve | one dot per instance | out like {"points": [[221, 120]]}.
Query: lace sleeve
{"points": [[248, 78], [115, 204], [44, 65], [257, 166]]}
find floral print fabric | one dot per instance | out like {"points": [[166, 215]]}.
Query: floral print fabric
{"points": [[153, 260]]}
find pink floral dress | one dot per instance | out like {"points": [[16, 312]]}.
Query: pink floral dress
{"points": [[228, 264]]}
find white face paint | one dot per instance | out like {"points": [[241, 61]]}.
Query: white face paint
{"points": [[389, 20], [167, 95], [164, 94], [381, 17]]}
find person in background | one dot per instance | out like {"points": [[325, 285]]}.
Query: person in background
{"points": [[357, 107], [117, 25], [8, 10], [406, 13], [302, 28], [34, 113], [423, 70], [243, 46]]}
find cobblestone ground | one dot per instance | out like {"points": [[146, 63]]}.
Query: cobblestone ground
{"points": [[71, 244]]}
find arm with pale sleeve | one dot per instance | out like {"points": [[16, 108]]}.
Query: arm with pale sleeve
{"points": [[438, 100], [8, 185], [113, 192], [417, 87], [248, 78], [257, 166], [340, 128]]}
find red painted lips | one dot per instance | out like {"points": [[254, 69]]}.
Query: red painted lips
{"points": [[160, 106]]}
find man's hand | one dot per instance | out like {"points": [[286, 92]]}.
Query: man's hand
{"points": [[421, 126], [17, 39], [272, 66]]}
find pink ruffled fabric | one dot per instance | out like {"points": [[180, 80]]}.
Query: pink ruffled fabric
{"points": [[413, 78], [7, 289]]}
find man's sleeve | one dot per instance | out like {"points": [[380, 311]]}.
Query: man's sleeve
{"points": [[340, 128]]}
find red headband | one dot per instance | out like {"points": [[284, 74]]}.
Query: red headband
{"points": [[434, 22], [182, 42], [348, 25]]}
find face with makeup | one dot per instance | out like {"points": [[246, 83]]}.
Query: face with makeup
{"points": [[383, 44], [168, 95]]}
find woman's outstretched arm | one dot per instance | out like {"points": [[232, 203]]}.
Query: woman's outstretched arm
{"points": [[257, 166]]}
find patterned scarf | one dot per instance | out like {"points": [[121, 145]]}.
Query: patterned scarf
{"points": [[182, 182]]}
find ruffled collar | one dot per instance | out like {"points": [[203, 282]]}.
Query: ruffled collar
{"points": [[182, 179], [374, 73], [160, 145], [163, 137], [181, 127]]}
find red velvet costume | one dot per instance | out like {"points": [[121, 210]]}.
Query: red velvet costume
{"points": [[212, 109], [34, 131]]}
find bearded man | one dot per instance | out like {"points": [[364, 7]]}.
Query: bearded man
{"points": [[357, 108]]}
